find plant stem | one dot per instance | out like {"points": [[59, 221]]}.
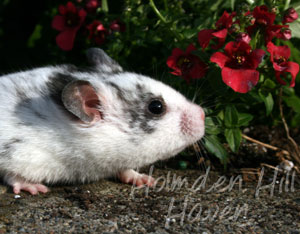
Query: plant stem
{"points": [[296, 157], [104, 6], [127, 18], [265, 145], [287, 4], [163, 19], [166, 5]]}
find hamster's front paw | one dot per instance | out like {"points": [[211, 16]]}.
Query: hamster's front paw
{"points": [[132, 177], [20, 184]]}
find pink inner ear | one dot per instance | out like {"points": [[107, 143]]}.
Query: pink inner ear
{"points": [[90, 102]]}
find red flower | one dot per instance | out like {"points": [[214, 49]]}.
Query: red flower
{"points": [[279, 57], [262, 16], [186, 64], [238, 64], [92, 5], [290, 16], [222, 26], [117, 26], [68, 22], [263, 20], [274, 31], [97, 32]]}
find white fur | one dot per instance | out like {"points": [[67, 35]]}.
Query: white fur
{"points": [[61, 149]]}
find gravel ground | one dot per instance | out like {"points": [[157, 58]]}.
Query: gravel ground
{"points": [[204, 202]]}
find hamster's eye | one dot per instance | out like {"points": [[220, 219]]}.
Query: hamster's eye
{"points": [[157, 107]]}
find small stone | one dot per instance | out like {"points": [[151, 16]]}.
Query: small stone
{"points": [[286, 165], [3, 189], [183, 164]]}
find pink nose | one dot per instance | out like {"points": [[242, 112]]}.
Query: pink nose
{"points": [[202, 115]]}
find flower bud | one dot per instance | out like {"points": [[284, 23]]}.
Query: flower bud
{"points": [[117, 26], [243, 37], [92, 5], [290, 15], [285, 34]]}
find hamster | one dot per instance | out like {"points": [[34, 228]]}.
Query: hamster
{"points": [[68, 125]]}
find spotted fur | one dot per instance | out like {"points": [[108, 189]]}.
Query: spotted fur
{"points": [[42, 142]]}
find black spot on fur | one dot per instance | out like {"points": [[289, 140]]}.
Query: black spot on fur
{"points": [[24, 124], [119, 91], [74, 69], [8, 147], [21, 94], [39, 115], [56, 85], [136, 107]]}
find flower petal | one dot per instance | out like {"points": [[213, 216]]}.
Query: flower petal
{"points": [[176, 73], [58, 23], [220, 59], [171, 62], [71, 7], [220, 43], [257, 57], [176, 52], [198, 69], [82, 14], [280, 67], [293, 68], [221, 33], [240, 80], [278, 51], [65, 40], [62, 9], [280, 81], [190, 48], [204, 36], [233, 48]]}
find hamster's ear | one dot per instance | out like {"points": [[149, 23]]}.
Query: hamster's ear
{"points": [[80, 98], [101, 61]]}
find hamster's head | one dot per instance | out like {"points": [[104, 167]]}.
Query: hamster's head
{"points": [[138, 118]]}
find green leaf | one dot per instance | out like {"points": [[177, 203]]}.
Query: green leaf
{"points": [[210, 127], [255, 96], [269, 102], [232, 2], [213, 145], [288, 91], [231, 117], [216, 5], [36, 35], [189, 33], [244, 119], [295, 28], [269, 84], [233, 137], [293, 102], [295, 122]]}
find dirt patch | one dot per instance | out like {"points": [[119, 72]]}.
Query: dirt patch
{"points": [[186, 201]]}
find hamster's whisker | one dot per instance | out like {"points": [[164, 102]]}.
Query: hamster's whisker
{"points": [[203, 164]]}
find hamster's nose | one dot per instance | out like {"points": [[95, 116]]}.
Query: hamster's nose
{"points": [[202, 114]]}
